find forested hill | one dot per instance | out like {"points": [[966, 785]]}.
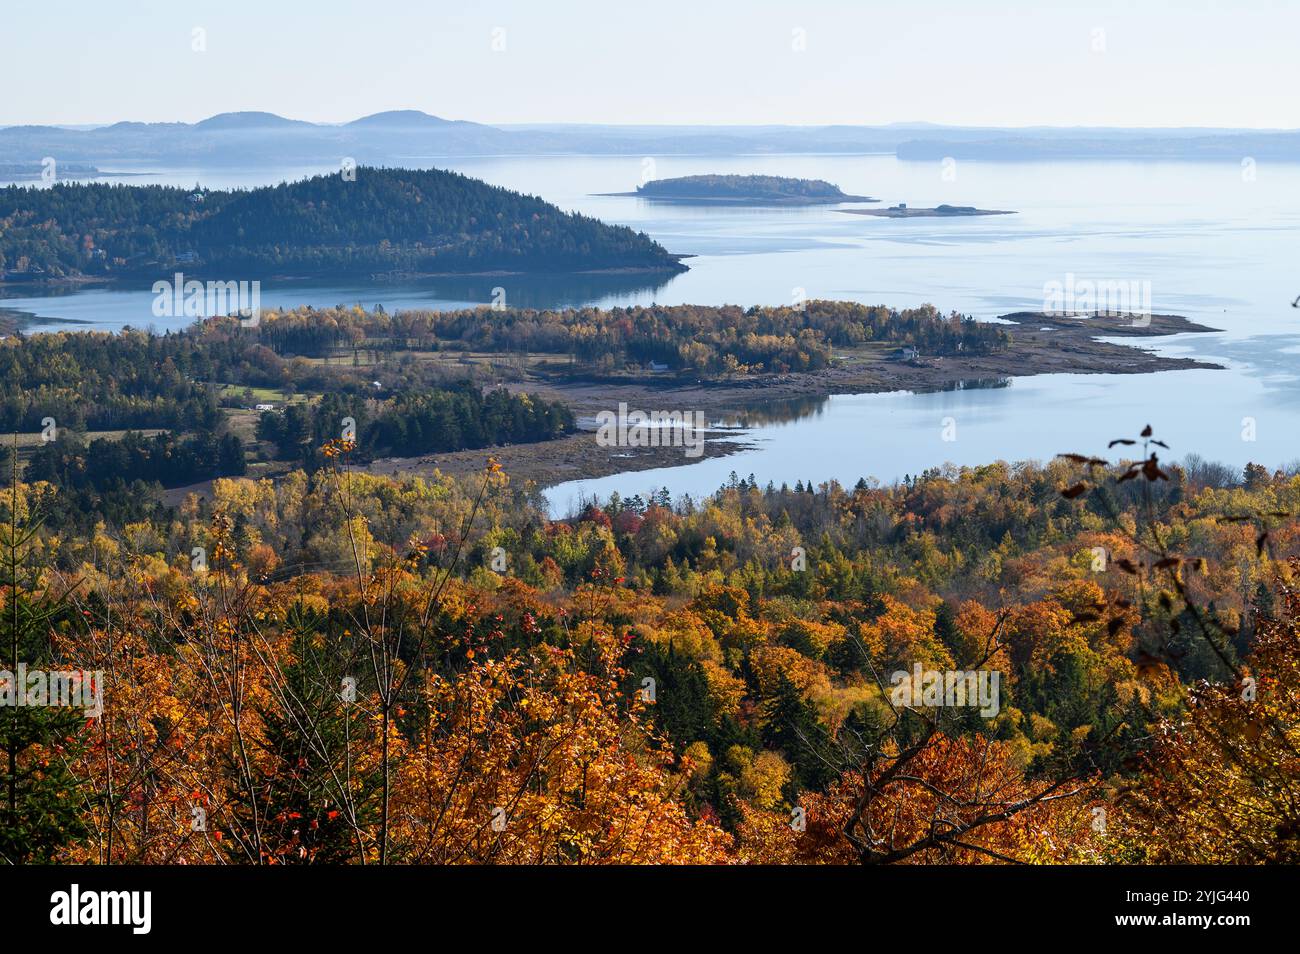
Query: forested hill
{"points": [[717, 188], [380, 221]]}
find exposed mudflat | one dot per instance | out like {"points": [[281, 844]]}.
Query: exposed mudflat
{"points": [[1041, 344]]}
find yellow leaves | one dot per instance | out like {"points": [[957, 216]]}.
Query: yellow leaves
{"points": [[726, 690], [774, 666], [763, 775], [812, 638], [697, 761]]}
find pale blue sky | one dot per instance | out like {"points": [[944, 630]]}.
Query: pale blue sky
{"points": [[1040, 62]]}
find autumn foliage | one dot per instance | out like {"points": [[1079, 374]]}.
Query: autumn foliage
{"points": [[337, 668]]}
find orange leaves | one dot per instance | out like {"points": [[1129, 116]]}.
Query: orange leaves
{"points": [[902, 635], [336, 448], [1219, 785], [922, 815], [574, 778]]}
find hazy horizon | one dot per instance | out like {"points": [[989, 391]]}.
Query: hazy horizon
{"points": [[544, 123], [1157, 64]]}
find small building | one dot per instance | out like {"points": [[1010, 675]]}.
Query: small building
{"points": [[656, 366], [907, 353]]}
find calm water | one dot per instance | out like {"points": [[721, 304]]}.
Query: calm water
{"points": [[1216, 246]]}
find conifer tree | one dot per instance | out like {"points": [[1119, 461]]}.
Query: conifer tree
{"points": [[40, 810]]}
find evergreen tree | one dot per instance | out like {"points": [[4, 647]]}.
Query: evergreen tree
{"points": [[309, 803], [793, 727], [40, 810]]}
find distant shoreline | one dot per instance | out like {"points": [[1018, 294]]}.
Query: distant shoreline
{"points": [[938, 212], [740, 200]]}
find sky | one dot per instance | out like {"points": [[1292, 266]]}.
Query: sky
{"points": [[1233, 63]]}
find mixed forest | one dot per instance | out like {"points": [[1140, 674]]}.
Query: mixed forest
{"points": [[305, 662], [339, 667], [360, 221]]}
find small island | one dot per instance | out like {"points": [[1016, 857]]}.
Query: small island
{"points": [[901, 211], [743, 190]]}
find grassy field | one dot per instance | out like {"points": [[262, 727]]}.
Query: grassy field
{"points": [[366, 359], [261, 395], [31, 440]]}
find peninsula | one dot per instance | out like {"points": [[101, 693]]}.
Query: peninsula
{"points": [[678, 356]]}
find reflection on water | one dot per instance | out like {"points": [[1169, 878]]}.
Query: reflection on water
{"points": [[777, 411], [110, 306], [977, 384]]}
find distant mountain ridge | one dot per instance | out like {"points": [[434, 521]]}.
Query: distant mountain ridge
{"points": [[397, 136], [399, 118], [250, 120]]}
